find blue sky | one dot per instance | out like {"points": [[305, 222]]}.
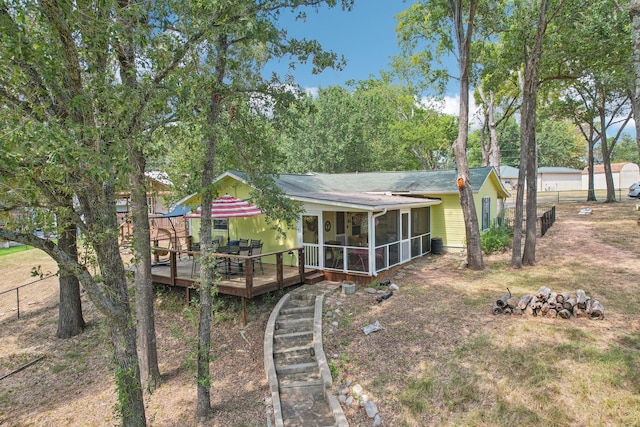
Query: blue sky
{"points": [[365, 36]]}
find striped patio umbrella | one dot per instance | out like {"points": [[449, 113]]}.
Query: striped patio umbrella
{"points": [[228, 206]]}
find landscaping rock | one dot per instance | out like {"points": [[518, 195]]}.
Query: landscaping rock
{"points": [[357, 390], [377, 421], [371, 409]]}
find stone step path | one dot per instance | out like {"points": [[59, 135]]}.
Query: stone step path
{"points": [[297, 369]]}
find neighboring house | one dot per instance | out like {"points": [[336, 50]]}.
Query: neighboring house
{"points": [[548, 178], [559, 179], [509, 177], [367, 223], [163, 231], [624, 174], [158, 185]]}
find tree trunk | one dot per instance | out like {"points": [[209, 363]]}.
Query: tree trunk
{"points": [[474, 248], [145, 314], [203, 408], [529, 99], [528, 150], [490, 150], [131, 406], [634, 11], [70, 320], [606, 158], [98, 204], [591, 194]]}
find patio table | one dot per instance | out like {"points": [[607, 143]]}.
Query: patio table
{"points": [[362, 259]]}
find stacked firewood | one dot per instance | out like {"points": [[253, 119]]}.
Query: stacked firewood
{"points": [[550, 304]]}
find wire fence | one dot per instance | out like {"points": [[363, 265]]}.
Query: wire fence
{"points": [[547, 200], [28, 298]]}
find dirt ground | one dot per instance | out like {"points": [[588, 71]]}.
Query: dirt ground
{"points": [[73, 383]]}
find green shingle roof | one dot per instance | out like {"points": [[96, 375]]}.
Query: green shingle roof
{"points": [[411, 182]]}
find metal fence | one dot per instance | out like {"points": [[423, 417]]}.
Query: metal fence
{"points": [[509, 213], [547, 219], [29, 298]]}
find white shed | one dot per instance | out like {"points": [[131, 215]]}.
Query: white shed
{"points": [[559, 179], [624, 174]]}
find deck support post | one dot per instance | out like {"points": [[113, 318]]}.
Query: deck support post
{"points": [[244, 312], [279, 271], [173, 267]]}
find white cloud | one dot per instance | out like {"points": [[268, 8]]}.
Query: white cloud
{"points": [[450, 105], [313, 91]]}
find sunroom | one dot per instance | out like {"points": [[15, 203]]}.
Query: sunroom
{"points": [[363, 233]]}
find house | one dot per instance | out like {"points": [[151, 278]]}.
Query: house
{"points": [[509, 176], [363, 224], [624, 174], [158, 185], [165, 230]]}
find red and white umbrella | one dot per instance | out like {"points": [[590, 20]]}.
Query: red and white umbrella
{"points": [[228, 206]]}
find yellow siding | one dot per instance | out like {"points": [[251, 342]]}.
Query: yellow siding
{"points": [[247, 228], [447, 219], [447, 222]]}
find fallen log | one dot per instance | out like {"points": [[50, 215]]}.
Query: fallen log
{"points": [[512, 302], [579, 313], [543, 294], [524, 301], [562, 297], [564, 313], [530, 311], [568, 304], [545, 309], [552, 313], [502, 301], [581, 299], [497, 309], [597, 311]]}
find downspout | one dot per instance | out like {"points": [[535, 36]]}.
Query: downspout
{"points": [[372, 241]]}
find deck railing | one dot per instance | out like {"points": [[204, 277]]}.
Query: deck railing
{"points": [[248, 262]]}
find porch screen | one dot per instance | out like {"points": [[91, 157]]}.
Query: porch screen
{"points": [[420, 223], [387, 228]]}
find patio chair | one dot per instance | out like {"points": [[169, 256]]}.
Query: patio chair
{"points": [[238, 263], [217, 241], [257, 250], [255, 243], [195, 255], [244, 243]]}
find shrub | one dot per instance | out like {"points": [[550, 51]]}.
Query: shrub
{"points": [[496, 239]]}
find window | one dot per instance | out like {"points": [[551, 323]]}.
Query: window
{"points": [[486, 211], [221, 224]]}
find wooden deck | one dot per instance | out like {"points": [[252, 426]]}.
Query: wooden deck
{"points": [[178, 271]]}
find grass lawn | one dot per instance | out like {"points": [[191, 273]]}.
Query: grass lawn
{"points": [[442, 357]]}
